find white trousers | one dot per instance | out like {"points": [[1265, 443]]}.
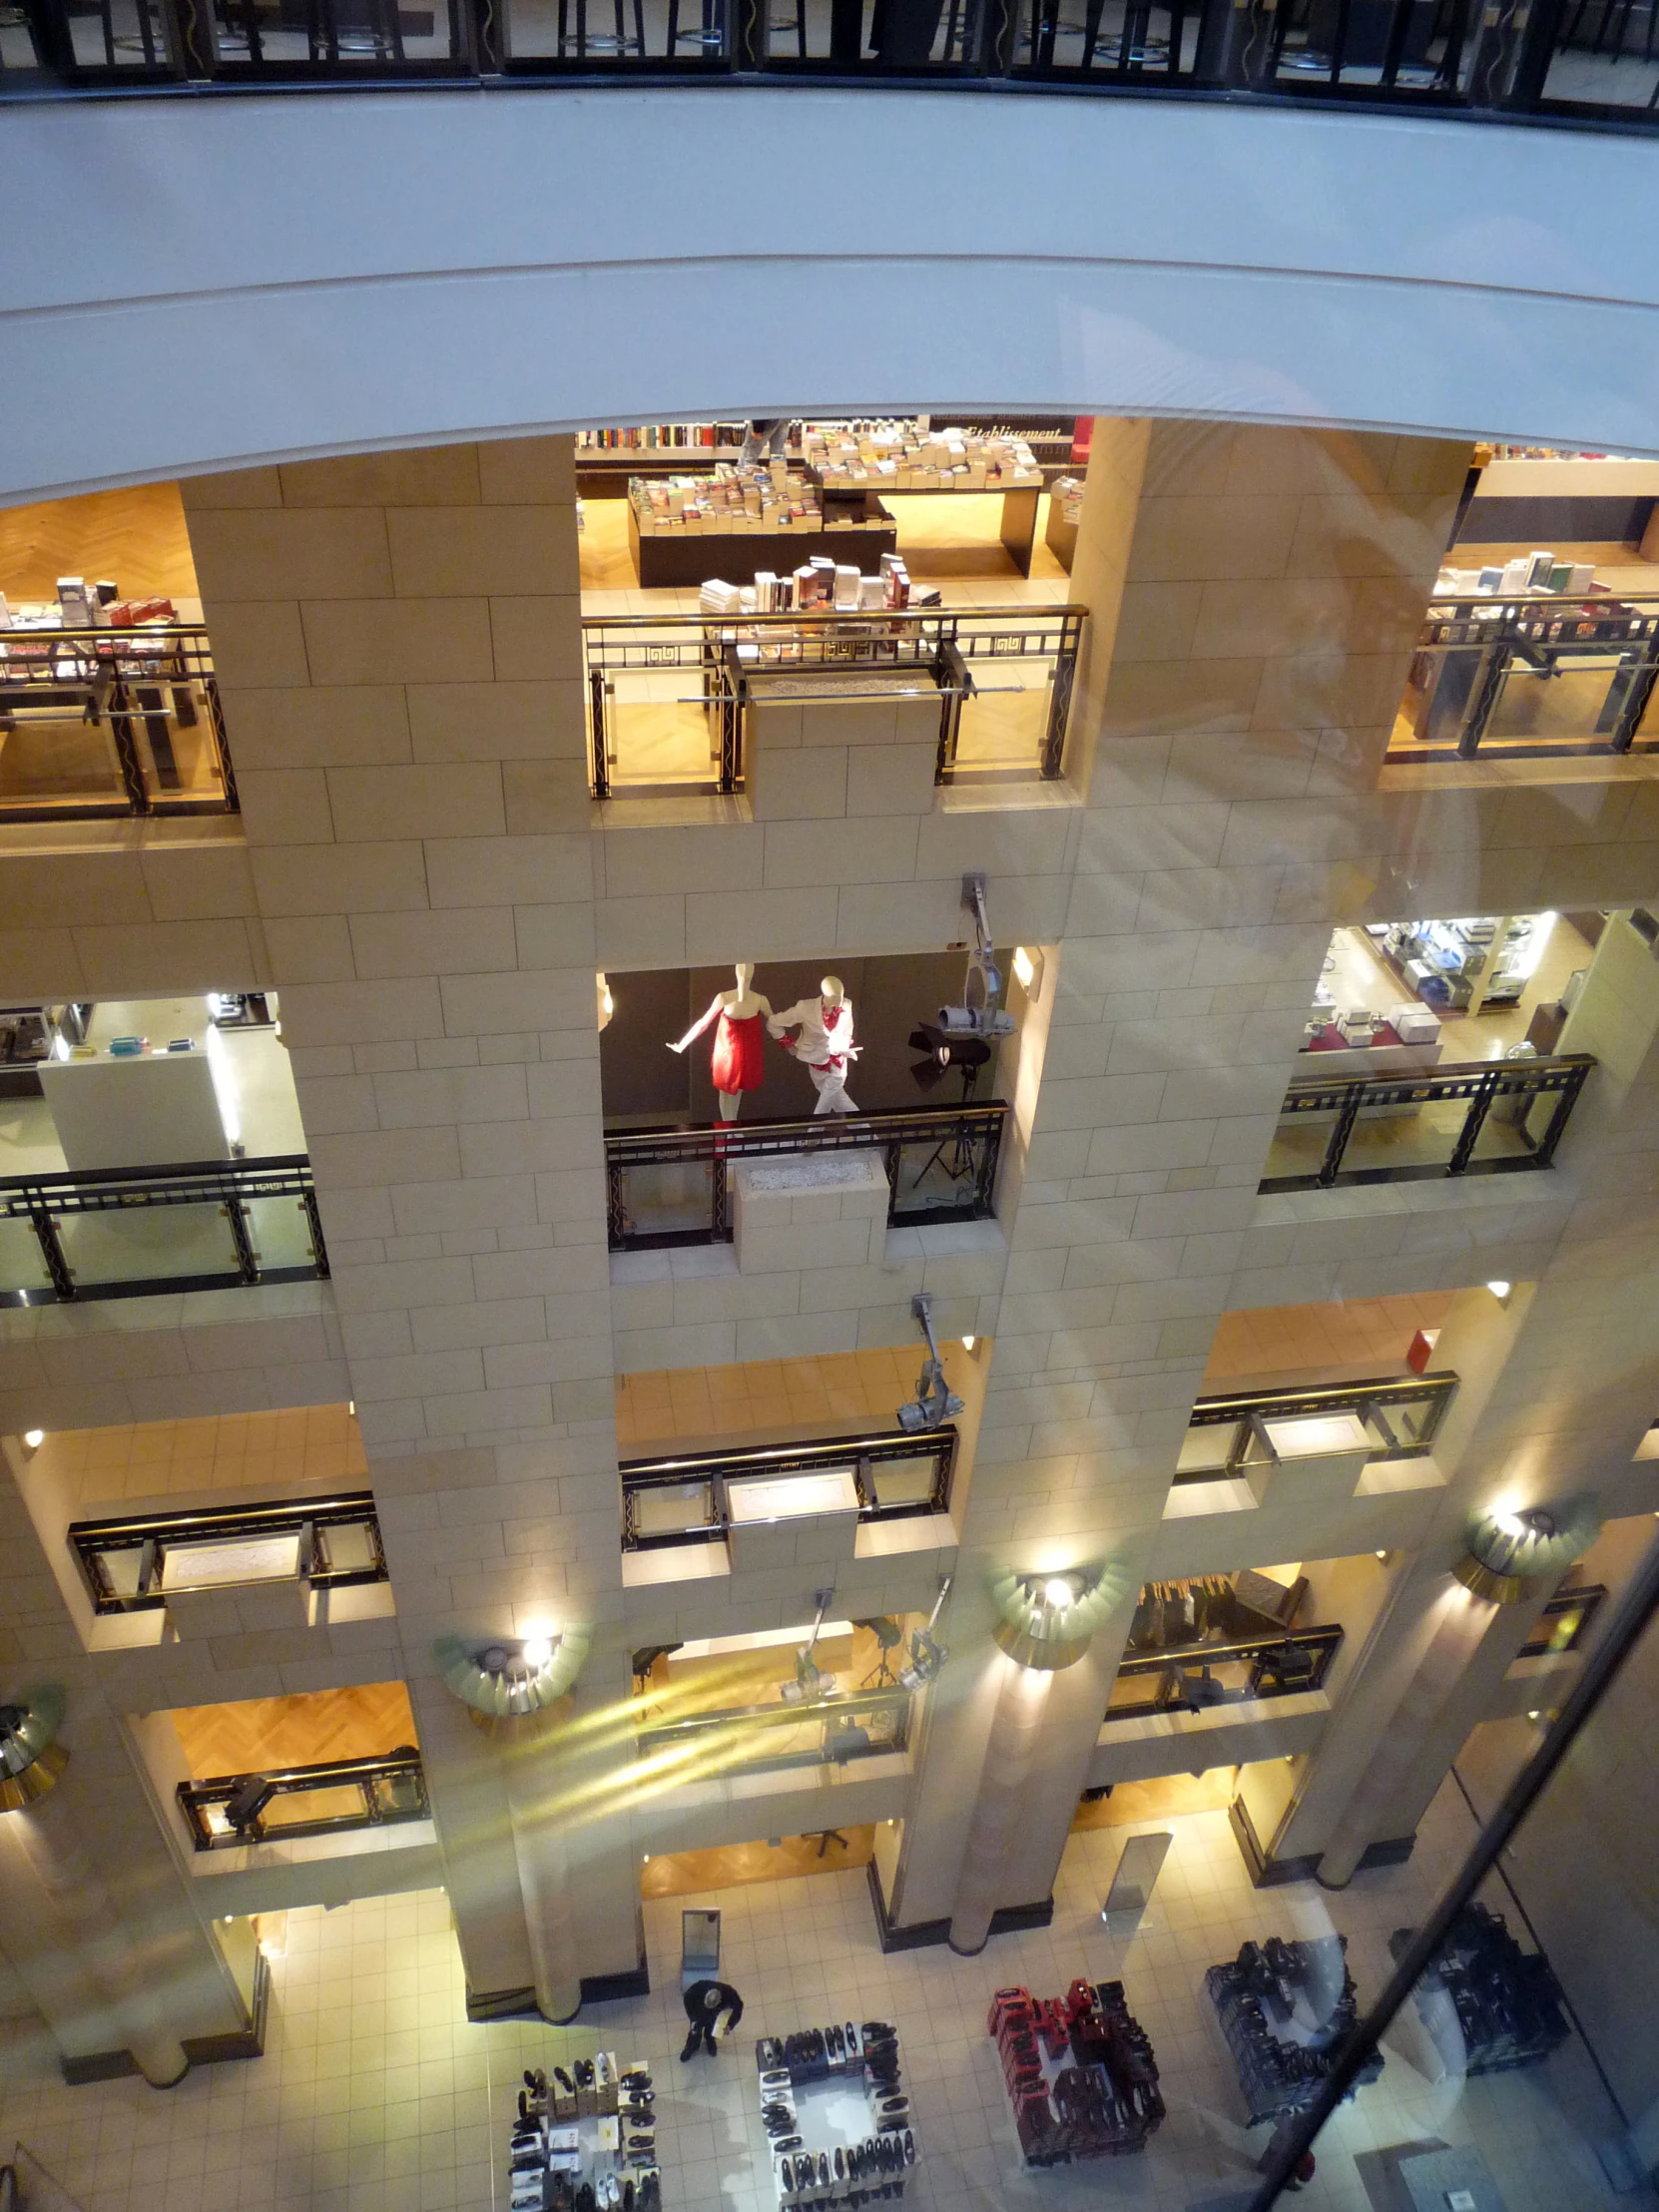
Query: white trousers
{"points": [[831, 1084]]}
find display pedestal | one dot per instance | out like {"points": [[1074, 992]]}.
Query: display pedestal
{"points": [[1079, 2070], [589, 2147], [1285, 2010], [823, 2092]]}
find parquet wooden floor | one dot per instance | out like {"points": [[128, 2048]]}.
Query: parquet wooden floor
{"points": [[681, 1874], [261, 1733], [1161, 1800], [134, 536]]}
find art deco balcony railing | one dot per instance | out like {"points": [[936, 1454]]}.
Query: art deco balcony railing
{"points": [[1192, 1678], [285, 1804], [1229, 1435], [134, 1232], [1001, 676], [671, 1186], [1481, 1117], [683, 1500], [135, 1563], [1558, 58], [772, 1738]]}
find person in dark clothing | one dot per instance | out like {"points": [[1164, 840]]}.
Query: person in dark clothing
{"points": [[705, 2003]]}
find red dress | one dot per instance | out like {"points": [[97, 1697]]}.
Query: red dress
{"points": [[738, 1053]]}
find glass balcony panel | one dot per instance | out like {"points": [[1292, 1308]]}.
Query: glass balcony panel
{"points": [[399, 1796], [348, 1548], [1516, 1124], [120, 1566], [145, 1243], [659, 730], [1005, 720], [281, 1231], [936, 1176], [1299, 1145], [51, 754], [336, 1803], [1571, 703], [22, 1264], [671, 1510], [667, 1197], [231, 1562], [897, 1483]]}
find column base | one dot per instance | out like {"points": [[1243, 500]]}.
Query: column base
{"points": [[1007, 1920], [520, 2004], [1268, 1873], [199, 2050]]}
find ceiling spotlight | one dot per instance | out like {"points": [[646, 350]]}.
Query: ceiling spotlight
{"points": [[34, 1439], [538, 1651], [1058, 1593], [504, 1680], [31, 1757], [1049, 1621], [1500, 1291]]}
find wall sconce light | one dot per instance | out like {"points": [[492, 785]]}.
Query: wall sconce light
{"points": [[1049, 1621], [1512, 1555], [1028, 967], [31, 1757], [506, 1679]]}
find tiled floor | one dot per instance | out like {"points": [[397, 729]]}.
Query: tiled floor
{"points": [[302, 1448], [670, 1405], [375, 2095], [1307, 1342]]}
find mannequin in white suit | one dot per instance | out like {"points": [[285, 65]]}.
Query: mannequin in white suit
{"points": [[824, 1044]]}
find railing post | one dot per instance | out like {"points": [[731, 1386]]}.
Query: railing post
{"points": [[235, 1215], [126, 750], [482, 28], [54, 44], [1529, 44], [598, 765], [314, 1222], [1479, 1106], [1060, 703], [1545, 1151], [1347, 1114], [51, 1247], [192, 38], [215, 715]]}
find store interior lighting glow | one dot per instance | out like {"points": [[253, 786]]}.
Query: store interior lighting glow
{"points": [[538, 1650], [1028, 969], [60, 1047], [34, 1439], [1500, 1291], [967, 1344], [1058, 1593]]}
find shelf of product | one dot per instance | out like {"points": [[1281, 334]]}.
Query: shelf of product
{"points": [[1441, 962], [822, 584], [1080, 2073], [1284, 2008], [838, 2121], [586, 2140], [1488, 2005], [774, 511], [902, 458]]}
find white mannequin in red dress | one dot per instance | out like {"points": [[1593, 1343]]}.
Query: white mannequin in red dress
{"points": [[738, 1041]]}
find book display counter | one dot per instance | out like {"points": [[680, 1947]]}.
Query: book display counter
{"points": [[607, 458], [837, 2120], [683, 529], [585, 2140], [1285, 2010], [1080, 2073]]}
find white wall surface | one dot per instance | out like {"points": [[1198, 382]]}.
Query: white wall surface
{"points": [[214, 281]]}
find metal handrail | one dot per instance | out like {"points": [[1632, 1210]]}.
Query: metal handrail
{"points": [[400, 1766], [975, 1128], [1482, 1082], [640, 1476], [1372, 1401], [1416, 57], [150, 1534], [233, 1184], [103, 674], [737, 1724], [1321, 1644]]}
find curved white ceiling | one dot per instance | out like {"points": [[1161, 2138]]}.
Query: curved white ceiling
{"points": [[206, 281]]}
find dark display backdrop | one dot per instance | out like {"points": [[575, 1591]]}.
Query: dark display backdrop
{"points": [[644, 1081]]}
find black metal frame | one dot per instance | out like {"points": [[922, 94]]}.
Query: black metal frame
{"points": [[977, 1128], [1434, 57], [43, 1200], [759, 1720], [1586, 1600], [329, 1774], [1482, 1082], [150, 1534], [717, 1468], [941, 643], [1545, 632], [1244, 1410], [126, 676], [1324, 1644]]}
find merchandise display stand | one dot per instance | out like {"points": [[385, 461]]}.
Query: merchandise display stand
{"points": [[691, 558], [838, 2121], [1486, 2006], [1080, 2073], [584, 2141], [1285, 2010]]}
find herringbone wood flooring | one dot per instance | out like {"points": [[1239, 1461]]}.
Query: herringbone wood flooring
{"points": [[136, 537], [266, 1732]]}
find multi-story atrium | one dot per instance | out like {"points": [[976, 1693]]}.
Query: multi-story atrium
{"points": [[816, 1203]]}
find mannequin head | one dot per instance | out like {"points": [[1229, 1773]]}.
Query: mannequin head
{"points": [[745, 973], [832, 990]]}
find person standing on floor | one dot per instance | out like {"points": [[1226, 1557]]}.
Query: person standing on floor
{"points": [[705, 2003]]}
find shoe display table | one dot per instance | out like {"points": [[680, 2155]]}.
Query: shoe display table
{"points": [[1080, 2073], [838, 2121], [585, 2141], [1486, 2006], [1284, 2008]]}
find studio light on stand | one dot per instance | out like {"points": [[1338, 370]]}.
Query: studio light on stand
{"points": [[927, 1654], [964, 1037], [935, 1401], [811, 1681]]}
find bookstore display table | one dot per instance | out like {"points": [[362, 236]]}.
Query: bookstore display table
{"points": [[685, 558]]}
